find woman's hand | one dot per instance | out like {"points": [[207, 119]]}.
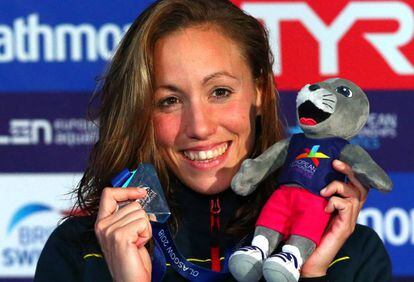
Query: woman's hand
{"points": [[345, 203], [123, 233]]}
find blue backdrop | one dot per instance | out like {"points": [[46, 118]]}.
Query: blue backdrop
{"points": [[52, 53]]}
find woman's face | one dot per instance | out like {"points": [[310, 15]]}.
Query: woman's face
{"points": [[206, 105]]}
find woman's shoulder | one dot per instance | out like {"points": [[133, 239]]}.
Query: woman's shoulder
{"points": [[74, 230], [362, 258], [76, 224], [74, 234], [72, 253], [362, 240]]}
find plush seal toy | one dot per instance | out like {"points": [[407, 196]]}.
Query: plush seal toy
{"points": [[329, 113]]}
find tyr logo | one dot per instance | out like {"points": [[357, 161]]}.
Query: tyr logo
{"points": [[328, 36]]}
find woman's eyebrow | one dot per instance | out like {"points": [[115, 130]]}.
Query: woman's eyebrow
{"points": [[173, 88], [169, 87], [218, 74]]}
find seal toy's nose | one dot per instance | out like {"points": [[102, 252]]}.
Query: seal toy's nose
{"points": [[314, 87]]}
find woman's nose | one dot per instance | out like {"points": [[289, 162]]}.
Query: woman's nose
{"points": [[199, 122]]}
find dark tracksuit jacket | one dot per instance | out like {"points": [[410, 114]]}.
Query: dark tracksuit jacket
{"points": [[73, 254]]}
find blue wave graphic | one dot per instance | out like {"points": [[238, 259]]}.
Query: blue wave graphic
{"points": [[25, 212]]}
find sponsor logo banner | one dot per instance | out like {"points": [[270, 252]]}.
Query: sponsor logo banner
{"points": [[391, 215], [368, 41], [371, 41], [29, 215], [387, 134], [60, 46], [45, 132]]}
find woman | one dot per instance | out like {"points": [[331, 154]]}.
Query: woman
{"points": [[190, 90]]}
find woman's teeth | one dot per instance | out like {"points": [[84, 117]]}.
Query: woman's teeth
{"points": [[205, 155]]}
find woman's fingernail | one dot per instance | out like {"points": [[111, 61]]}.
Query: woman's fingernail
{"points": [[339, 164], [142, 189], [323, 191]]}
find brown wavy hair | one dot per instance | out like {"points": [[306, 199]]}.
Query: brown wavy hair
{"points": [[125, 98]]}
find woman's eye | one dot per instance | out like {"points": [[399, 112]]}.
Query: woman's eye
{"points": [[168, 102], [220, 93]]}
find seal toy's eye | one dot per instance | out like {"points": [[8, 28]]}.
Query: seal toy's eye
{"points": [[344, 91]]}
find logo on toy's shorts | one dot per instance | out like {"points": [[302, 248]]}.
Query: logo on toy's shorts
{"points": [[313, 154]]}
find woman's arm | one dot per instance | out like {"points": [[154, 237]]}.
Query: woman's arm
{"points": [[345, 203]]}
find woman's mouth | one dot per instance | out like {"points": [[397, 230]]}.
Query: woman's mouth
{"points": [[206, 155]]}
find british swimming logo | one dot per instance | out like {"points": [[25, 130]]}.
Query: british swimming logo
{"points": [[25, 235], [25, 212]]}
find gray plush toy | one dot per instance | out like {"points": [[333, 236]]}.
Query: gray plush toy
{"points": [[329, 113]]}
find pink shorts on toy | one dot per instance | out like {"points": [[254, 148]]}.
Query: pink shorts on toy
{"points": [[295, 211]]}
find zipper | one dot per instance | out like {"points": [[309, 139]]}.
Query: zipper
{"points": [[215, 211]]}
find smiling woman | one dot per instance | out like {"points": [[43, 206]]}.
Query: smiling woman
{"points": [[190, 90], [207, 103]]}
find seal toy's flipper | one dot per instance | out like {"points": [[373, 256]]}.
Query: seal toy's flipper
{"points": [[368, 172], [253, 171]]}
